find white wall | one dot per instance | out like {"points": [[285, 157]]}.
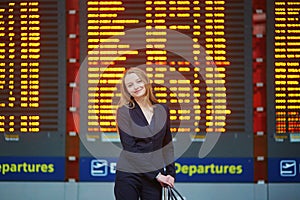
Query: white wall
{"points": [[104, 191]]}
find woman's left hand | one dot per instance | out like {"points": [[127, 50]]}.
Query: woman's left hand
{"points": [[170, 180], [166, 180]]}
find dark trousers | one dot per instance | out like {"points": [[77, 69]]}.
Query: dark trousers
{"points": [[131, 186]]}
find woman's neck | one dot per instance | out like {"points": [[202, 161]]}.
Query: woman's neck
{"points": [[146, 108], [143, 103]]}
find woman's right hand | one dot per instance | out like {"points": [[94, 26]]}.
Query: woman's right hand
{"points": [[165, 180]]}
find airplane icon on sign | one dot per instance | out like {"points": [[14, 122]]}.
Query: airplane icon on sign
{"points": [[99, 167], [288, 168]]}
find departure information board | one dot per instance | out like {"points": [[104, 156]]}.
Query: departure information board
{"points": [[32, 90], [193, 51], [32, 75], [286, 68]]}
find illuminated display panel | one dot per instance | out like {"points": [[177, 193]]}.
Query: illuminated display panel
{"points": [[215, 26], [286, 69], [31, 91]]}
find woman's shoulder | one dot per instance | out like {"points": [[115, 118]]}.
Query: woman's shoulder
{"points": [[122, 109], [163, 105]]}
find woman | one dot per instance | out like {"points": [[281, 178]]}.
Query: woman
{"points": [[146, 162]]}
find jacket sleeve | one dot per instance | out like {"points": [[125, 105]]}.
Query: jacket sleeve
{"points": [[168, 150]]}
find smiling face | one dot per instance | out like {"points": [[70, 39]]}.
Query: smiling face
{"points": [[135, 85]]}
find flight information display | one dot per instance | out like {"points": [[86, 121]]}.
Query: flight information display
{"points": [[32, 82], [286, 69], [193, 51]]}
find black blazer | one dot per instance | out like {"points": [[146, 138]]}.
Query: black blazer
{"points": [[147, 148]]}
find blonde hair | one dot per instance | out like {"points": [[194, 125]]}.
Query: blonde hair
{"points": [[126, 99]]}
